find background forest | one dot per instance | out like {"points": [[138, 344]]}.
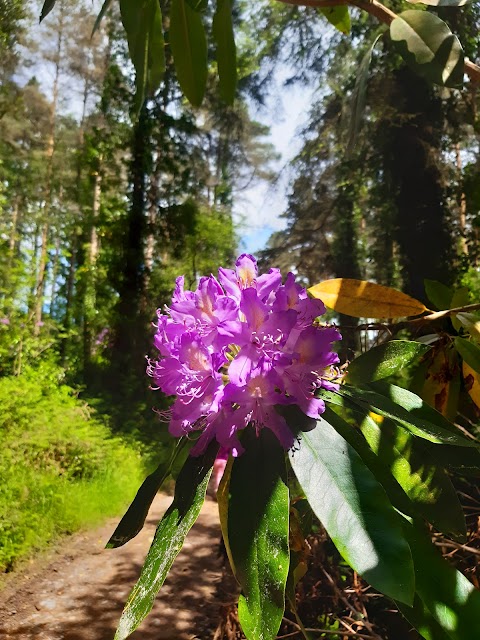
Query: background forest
{"points": [[101, 207]]}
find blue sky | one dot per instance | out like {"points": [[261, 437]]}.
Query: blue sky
{"points": [[259, 208]]}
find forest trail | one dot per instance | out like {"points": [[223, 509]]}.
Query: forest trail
{"points": [[78, 591]]}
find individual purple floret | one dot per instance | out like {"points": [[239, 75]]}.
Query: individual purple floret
{"points": [[236, 349]]}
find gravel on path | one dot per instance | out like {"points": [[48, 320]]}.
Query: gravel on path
{"points": [[78, 593]]}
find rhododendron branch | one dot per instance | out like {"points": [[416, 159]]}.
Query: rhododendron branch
{"points": [[383, 14]]}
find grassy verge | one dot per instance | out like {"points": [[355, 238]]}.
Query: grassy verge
{"points": [[60, 467]]}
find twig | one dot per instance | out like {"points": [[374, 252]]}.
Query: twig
{"points": [[383, 14], [458, 546]]}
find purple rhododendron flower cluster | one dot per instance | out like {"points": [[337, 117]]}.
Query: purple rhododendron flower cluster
{"points": [[237, 348]]}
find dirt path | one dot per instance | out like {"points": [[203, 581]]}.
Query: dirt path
{"points": [[79, 592]]}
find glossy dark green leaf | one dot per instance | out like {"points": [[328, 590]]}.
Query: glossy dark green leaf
{"points": [[339, 17], [132, 522], [222, 30], [258, 518], [449, 597], [105, 7], [384, 360], [426, 484], [458, 459], [439, 294], [354, 509], [46, 8], [406, 409], [189, 48], [169, 538], [429, 47], [354, 437], [142, 21]]}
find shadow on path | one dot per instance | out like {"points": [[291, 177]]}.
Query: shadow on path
{"points": [[81, 593]]}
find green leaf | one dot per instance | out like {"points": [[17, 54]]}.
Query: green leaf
{"points": [[200, 6], [339, 17], [355, 511], [132, 522], [406, 409], [222, 30], [189, 48], [46, 8], [429, 47], [439, 294], [469, 351], [445, 593], [105, 7], [458, 459], [142, 21], [460, 298], [425, 483], [258, 516], [357, 103], [384, 360], [380, 470], [169, 538]]}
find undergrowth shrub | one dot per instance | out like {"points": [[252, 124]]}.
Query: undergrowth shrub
{"points": [[60, 467]]}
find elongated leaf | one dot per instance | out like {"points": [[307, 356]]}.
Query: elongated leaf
{"points": [[143, 24], [439, 294], [449, 597], [46, 8], [357, 102], [258, 516], [339, 17], [169, 538], [469, 351], [428, 46], [355, 510], [425, 483], [471, 322], [406, 409], [458, 459], [362, 299], [222, 31], [105, 7], [132, 522], [384, 360], [189, 48], [472, 383], [380, 470]]}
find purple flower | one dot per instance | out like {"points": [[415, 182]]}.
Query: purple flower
{"points": [[235, 349], [5, 321]]}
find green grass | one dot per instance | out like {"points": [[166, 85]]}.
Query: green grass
{"points": [[60, 467]]}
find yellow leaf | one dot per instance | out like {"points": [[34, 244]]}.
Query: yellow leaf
{"points": [[472, 383], [442, 383], [362, 299]]}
